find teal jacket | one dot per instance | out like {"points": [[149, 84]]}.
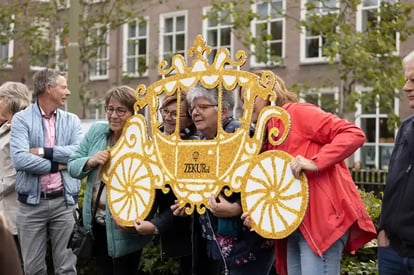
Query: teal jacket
{"points": [[120, 243]]}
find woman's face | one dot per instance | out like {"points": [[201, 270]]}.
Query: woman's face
{"points": [[259, 104], [117, 114], [204, 115], [5, 115], [169, 116]]}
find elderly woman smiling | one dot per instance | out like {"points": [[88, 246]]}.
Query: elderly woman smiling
{"points": [[232, 246]]}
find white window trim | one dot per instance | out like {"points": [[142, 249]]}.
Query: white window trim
{"points": [[125, 48], [106, 76], [252, 58], [163, 16], [41, 21], [325, 90], [359, 25], [205, 28], [9, 61], [303, 58], [359, 116]]}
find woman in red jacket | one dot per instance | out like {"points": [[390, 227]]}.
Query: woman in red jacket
{"points": [[336, 219]]}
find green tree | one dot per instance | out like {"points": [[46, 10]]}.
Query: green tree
{"points": [[42, 29], [366, 58]]}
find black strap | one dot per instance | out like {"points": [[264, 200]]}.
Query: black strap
{"points": [[95, 208]]}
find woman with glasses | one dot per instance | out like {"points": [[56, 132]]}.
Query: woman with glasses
{"points": [[336, 219], [232, 247], [174, 232], [169, 115], [118, 249]]}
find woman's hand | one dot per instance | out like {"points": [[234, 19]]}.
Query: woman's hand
{"points": [[246, 220], [223, 208], [100, 158], [129, 229], [145, 227], [177, 210], [300, 164]]}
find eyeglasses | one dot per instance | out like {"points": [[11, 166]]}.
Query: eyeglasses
{"points": [[201, 108], [120, 111], [173, 114]]}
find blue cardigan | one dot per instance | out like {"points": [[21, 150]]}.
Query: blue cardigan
{"points": [[120, 243]]}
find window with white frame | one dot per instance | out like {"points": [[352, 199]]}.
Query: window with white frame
{"points": [[268, 30], [99, 42], [40, 44], [173, 35], [367, 16], [6, 43], [61, 52], [136, 48], [312, 41], [373, 120], [217, 30], [326, 99]]}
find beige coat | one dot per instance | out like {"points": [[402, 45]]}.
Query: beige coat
{"points": [[8, 196]]}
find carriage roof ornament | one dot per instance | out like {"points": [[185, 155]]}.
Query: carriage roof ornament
{"points": [[195, 169]]}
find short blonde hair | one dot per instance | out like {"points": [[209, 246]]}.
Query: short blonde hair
{"points": [[16, 95]]}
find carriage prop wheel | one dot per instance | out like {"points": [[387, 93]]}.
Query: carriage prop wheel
{"points": [[131, 189], [275, 200]]}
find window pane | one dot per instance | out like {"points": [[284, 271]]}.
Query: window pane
{"points": [[225, 36], [142, 28], [180, 43], [276, 30], [131, 48], [168, 25], [168, 40], [276, 49], [131, 29], [142, 46], [385, 135], [225, 17], [262, 11], [311, 98], [368, 126], [368, 156], [312, 47], [261, 31], [328, 103], [131, 65], [276, 10], [212, 38], [180, 23], [367, 3], [368, 103], [4, 52], [385, 154]]}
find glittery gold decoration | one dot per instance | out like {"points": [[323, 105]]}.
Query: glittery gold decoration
{"points": [[197, 169]]}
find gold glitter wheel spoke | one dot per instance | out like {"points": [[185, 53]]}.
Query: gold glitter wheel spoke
{"points": [[274, 198], [130, 189]]}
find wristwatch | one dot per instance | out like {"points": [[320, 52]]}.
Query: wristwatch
{"points": [[41, 151]]}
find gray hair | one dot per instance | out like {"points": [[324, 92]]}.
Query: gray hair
{"points": [[16, 95], [212, 96], [43, 78], [407, 59]]}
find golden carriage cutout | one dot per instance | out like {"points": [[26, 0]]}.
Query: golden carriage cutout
{"points": [[195, 169]]}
